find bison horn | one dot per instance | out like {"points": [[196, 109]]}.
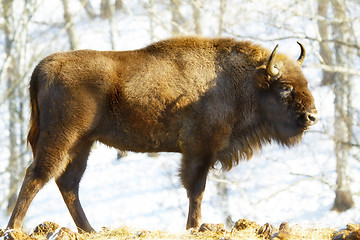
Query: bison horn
{"points": [[302, 54], [270, 68]]}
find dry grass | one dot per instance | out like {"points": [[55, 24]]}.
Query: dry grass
{"points": [[243, 229], [126, 233], [249, 233]]}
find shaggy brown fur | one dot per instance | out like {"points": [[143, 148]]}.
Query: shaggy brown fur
{"points": [[213, 100]]}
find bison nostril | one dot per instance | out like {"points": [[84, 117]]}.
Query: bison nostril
{"points": [[312, 118]]}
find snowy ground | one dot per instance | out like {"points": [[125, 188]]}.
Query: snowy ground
{"points": [[145, 192]]}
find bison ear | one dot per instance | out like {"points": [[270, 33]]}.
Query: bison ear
{"points": [[261, 78]]}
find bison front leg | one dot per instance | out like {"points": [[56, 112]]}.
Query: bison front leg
{"points": [[68, 183], [194, 171]]}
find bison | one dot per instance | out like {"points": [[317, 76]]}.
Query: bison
{"points": [[213, 100]]}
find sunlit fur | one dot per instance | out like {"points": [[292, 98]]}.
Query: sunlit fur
{"points": [[210, 99]]}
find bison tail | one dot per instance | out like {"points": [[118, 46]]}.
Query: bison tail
{"points": [[34, 118]]}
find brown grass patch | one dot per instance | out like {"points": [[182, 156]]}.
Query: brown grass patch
{"points": [[243, 229]]}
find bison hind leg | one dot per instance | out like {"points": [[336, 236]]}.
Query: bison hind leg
{"points": [[48, 162], [30, 187]]}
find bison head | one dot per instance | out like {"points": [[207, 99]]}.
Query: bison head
{"points": [[285, 101]]}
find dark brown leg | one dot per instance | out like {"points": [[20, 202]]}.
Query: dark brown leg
{"points": [[194, 171], [68, 184], [30, 187], [48, 163]]}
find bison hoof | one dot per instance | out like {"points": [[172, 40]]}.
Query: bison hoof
{"points": [[352, 232], [217, 228], [64, 233], [243, 224], [13, 234], [266, 231], [45, 228], [284, 232]]}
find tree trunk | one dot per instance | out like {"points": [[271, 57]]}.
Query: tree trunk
{"points": [[13, 158], [222, 9], [12, 167], [105, 9], [177, 18], [223, 196], [341, 84], [88, 8], [70, 29], [113, 29], [325, 51], [196, 6], [150, 7], [14, 49], [343, 107], [119, 5]]}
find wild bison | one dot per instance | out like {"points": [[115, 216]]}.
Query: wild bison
{"points": [[213, 100]]}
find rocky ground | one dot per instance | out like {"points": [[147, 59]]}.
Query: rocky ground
{"points": [[242, 229]]}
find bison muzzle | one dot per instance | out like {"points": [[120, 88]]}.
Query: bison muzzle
{"points": [[213, 100]]}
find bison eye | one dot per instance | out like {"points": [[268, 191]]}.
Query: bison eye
{"points": [[285, 91]]}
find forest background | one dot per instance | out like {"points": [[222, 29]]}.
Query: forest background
{"points": [[315, 182]]}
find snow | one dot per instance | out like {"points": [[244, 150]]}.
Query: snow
{"points": [[144, 192], [278, 184]]}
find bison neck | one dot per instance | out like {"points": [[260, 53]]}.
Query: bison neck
{"points": [[246, 139]]}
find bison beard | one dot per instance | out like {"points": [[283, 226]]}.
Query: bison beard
{"points": [[213, 100]]}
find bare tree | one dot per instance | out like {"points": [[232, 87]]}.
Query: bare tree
{"points": [[342, 32], [15, 32], [177, 18], [325, 51], [119, 5], [113, 28], [11, 72], [70, 28], [108, 12], [197, 6], [105, 9], [222, 10], [88, 8], [151, 12], [221, 184]]}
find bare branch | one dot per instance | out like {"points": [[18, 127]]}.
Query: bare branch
{"points": [[316, 178], [337, 69]]}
